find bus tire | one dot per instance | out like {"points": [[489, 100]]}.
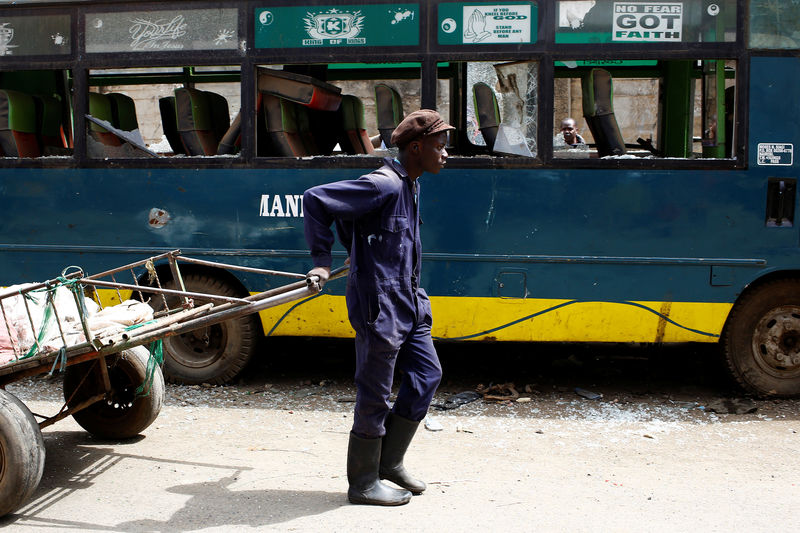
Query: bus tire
{"points": [[21, 453], [761, 340], [214, 354], [124, 414]]}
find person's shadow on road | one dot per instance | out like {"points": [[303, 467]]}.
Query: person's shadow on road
{"points": [[75, 459], [213, 504]]}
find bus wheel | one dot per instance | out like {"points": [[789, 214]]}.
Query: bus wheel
{"points": [[762, 339], [124, 413], [213, 354], [21, 453]]}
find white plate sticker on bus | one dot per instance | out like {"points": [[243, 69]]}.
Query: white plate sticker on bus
{"points": [[647, 21], [776, 154], [496, 24]]}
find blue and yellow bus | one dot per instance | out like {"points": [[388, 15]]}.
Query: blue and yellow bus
{"points": [[130, 129]]}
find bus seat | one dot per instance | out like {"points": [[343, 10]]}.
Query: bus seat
{"points": [[262, 137], [195, 121], [123, 112], [283, 133], [18, 125], [100, 108], [231, 141], [353, 138], [220, 114], [730, 107], [169, 123], [598, 110], [487, 112], [325, 127], [49, 128], [302, 116], [389, 108], [299, 88]]}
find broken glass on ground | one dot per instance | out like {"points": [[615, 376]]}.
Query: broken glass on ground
{"points": [[457, 400]]}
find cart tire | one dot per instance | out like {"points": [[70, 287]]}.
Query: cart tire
{"points": [[762, 339], [21, 453], [214, 354], [123, 415]]}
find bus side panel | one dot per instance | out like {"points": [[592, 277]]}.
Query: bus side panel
{"points": [[615, 255], [773, 108]]}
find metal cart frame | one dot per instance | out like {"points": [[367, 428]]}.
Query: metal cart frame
{"points": [[112, 387]]}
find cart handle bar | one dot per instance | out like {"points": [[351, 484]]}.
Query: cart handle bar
{"points": [[159, 290]]}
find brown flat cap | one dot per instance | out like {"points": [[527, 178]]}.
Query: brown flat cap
{"points": [[418, 124]]}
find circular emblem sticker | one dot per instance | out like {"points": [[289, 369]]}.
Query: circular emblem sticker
{"points": [[266, 18]]}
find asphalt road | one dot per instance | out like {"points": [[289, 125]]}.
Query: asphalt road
{"points": [[268, 452]]}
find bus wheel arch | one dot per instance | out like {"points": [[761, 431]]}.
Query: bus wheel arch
{"points": [[761, 338], [215, 354]]}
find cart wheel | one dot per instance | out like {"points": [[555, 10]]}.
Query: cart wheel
{"points": [[762, 339], [213, 354], [123, 414], [21, 453]]}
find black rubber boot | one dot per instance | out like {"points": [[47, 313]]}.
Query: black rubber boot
{"points": [[363, 458], [399, 432]]}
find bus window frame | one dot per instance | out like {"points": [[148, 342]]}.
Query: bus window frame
{"points": [[428, 52], [739, 159], [343, 160], [546, 131]]}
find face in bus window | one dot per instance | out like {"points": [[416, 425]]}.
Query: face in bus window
{"points": [[431, 152], [570, 132]]}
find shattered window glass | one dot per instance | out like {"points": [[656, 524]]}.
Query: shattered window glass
{"points": [[162, 118], [685, 111], [503, 108], [35, 113]]}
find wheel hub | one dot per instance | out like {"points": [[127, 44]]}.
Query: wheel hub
{"points": [[776, 341], [199, 348]]}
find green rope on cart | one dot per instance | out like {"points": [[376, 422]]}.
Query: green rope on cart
{"points": [[137, 326], [61, 358], [75, 286], [46, 320], [49, 312], [156, 359]]}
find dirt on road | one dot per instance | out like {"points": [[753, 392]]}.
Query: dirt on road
{"points": [[657, 452]]}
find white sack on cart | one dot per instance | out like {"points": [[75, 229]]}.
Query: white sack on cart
{"points": [[16, 326], [7, 345], [116, 318], [16, 334]]}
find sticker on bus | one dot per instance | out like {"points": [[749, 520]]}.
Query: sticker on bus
{"points": [[469, 23], [341, 25], [636, 22], [775, 154], [162, 31], [622, 22]]}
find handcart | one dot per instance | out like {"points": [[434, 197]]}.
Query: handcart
{"points": [[110, 356]]}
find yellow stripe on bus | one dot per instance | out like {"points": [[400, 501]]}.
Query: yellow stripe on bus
{"points": [[110, 297], [523, 320]]}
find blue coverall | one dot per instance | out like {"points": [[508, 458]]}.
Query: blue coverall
{"points": [[377, 220]]}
